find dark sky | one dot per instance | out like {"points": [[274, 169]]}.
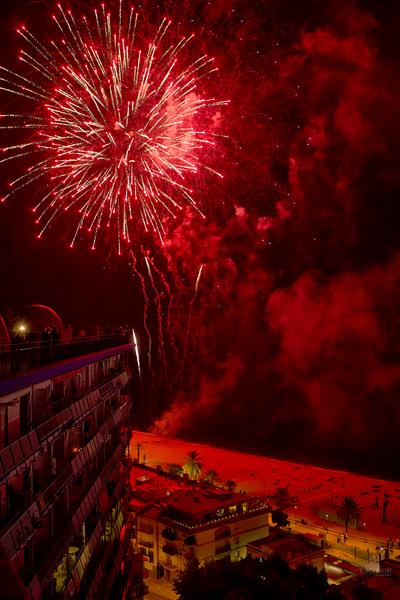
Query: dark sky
{"points": [[84, 287], [294, 331]]}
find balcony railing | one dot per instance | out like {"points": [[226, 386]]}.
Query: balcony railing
{"points": [[221, 549], [18, 452], [47, 497], [169, 534], [143, 528], [109, 582], [21, 531], [170, 549], [23, 528], [190, 540], [145, 543], [222, 533], [73, 583], [55, 553], [14, 456], [89, 572], [75, 523], [22, 357], [94, 575]]}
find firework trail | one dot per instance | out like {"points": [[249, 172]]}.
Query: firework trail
{"points": [[161, 344], [196, 287], [167, 287], [137, 272], [116, 127], [136, 348]]}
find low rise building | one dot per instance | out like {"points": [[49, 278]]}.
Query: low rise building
{"points": [[210, 523], [296, 549]]}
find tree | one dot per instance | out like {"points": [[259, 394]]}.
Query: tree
{"points": [[349, 510], [281, 498], [211, 476], [193, 466], [252, 579], [231, 485], [190, 579], [280, 518], [192, 563], [175, 469]]}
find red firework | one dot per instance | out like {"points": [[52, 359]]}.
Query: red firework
{"points": [[116, 120]]}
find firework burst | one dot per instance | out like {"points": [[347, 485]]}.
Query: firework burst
{"points": [[117, 137]]}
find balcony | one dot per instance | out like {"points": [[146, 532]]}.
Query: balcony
{"points": [[222, 548], [222, 533], [55, 487], [145, 543], [169, 534], [15, 456], [72, 583], [190, 540], [90, 498], [100, 567], [18, 452], [170, 549], [17, 536], [17, 533], [26, 356], [21, 531], [144, 528]]}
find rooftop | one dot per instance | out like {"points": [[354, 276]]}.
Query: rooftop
{"points": [[192, 504], [196, 509], [288, 546], [19, 381]]}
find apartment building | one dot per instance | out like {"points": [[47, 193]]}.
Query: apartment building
{"points": [[212, 523], [64, 474]]}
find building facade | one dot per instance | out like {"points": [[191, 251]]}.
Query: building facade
{"points": [[210, 524], [64, 474]]}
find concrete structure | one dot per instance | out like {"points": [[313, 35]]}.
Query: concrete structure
{"points": [[296, 549], [212, 523], [64, 473], [372, 587]]}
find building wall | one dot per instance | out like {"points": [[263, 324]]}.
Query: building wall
{"points": [[216, 541], [313, 558], [62, 474]]}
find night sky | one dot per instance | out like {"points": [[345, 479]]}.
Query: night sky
{"points": [[290, 346]]}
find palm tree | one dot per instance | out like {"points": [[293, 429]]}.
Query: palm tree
{"points": [[349, 510], [193, 466], [211, 476], [231, 485]]}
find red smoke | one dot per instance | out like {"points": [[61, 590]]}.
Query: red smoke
{"points": [[334, 340], [296, 339]]}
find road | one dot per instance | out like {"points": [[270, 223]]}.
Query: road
{"points": [[355, 550], [159, 590]]}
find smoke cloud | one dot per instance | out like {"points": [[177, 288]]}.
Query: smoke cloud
{"points": [[294, 340]]}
